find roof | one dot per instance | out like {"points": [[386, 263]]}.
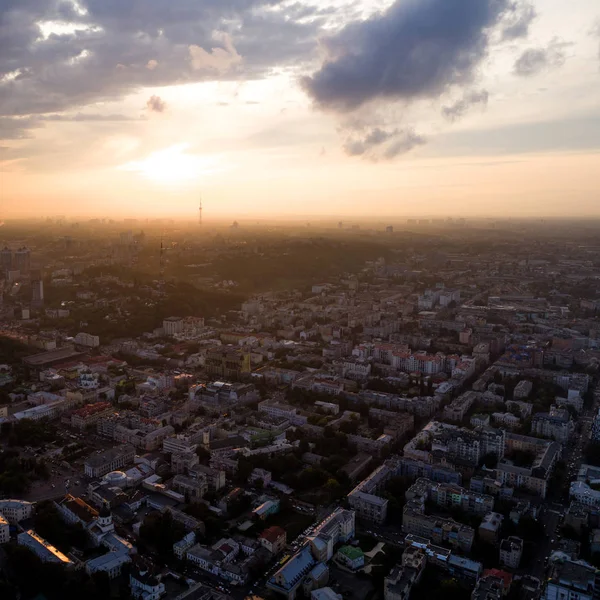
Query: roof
{"points": [[79, 508], [506, 577], [52, 356], [272, 534], [351, 552], [295, 568]]}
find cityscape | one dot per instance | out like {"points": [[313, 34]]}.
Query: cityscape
{"points": [[299, 300], [324, 411]]}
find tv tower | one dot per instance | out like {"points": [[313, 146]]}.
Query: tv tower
{"points": [[200, 213]]}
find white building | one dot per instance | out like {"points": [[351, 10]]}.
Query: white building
{"points": [[111, 563], [16, 510], [172, 325], [511, 551], [85, 339], [145, 585], [582, 492]]}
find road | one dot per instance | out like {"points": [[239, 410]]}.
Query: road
{"points": [[553, 510]]}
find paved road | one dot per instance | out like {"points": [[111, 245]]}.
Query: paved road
{"points": [[552, 512]]}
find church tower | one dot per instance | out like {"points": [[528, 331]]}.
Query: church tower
{"points": [[105, 522]]}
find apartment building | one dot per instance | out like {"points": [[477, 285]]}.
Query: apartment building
{"points": [[556, 424], [511, 551], [437, 529], [89, 415], [364, 499], [450, 496]]}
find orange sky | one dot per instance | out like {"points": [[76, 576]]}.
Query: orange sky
{"points": [[238, 128]]}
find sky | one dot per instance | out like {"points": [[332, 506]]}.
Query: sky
{"points": [[299, 107]]}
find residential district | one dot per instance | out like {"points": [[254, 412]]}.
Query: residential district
{"points": [[421, 422]]}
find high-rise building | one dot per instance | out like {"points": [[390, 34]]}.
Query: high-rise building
{"points": [[6, 259], [37, 288], [22, 260]]}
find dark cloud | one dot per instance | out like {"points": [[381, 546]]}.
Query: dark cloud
{"points": [[119, 47], [462, 106], [415, 49], [535, 60], [156, 104], [518, 21], [380, 143]]}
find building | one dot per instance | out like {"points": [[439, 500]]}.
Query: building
{"points": [[42, 549], [488, 588], [291, 575], [511, 551], [76, 511], [4, 530], [338, 527], [182, 546], [273, 539], [325, 593], [584, 493], [556, 424], [110, 563], [267, 508], [533, 478], [278, 409], [90, 414], [571, 580], [401, 579], [450, 496], [86, 339], [351, 557], [113, 459], [37, 288], [193, 489], [522, 389], [22, 260], [364, 498], [215, 478], [145, 585], [172, 325], [436, 529], [489, 529], [15, 511], [459, 407]]}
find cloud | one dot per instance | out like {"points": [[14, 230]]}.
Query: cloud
{"points": [[415, 49], [218, 59], [518, 21], [380, 143], [113, 48], [462, 106], [156, 104], [535, 60], [17, 128], [86, 117]]}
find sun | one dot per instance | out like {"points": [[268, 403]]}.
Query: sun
{"points": [[173, 165]]}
